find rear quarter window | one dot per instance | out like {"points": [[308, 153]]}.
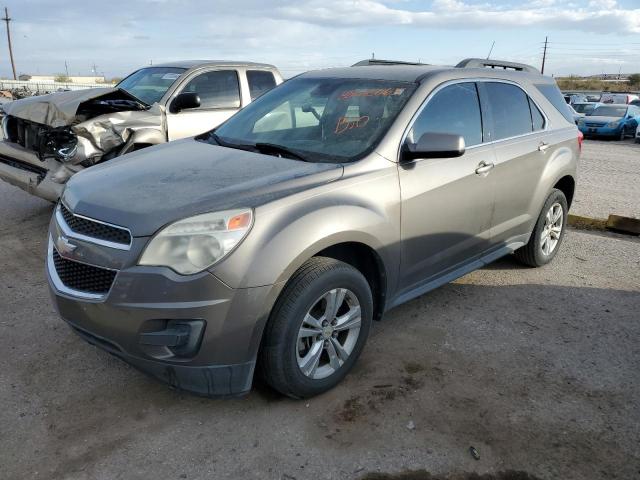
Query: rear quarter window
{"points": [[552, 93], [510, 110], [260, 81]]}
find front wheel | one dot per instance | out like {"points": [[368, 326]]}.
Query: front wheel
{"points": [[317, 328], [548, 232]]}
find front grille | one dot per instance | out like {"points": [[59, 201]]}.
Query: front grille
{"points": [[93, 229], [81, 277], [591, 124]]}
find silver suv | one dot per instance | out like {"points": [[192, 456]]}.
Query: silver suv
{"points": [[275, 240]]}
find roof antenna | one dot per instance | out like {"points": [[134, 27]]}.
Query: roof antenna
{"points": [[491, 50]]}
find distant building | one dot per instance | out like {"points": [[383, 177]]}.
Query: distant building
{"points": [[89, 79]]}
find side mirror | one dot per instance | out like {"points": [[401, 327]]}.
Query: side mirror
{"points": [[434, 145], [184, 101]]}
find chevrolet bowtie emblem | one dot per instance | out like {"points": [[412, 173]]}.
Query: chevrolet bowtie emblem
{"points": [[64, 246]]}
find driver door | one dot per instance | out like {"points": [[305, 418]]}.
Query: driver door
{"points": [[219, 92], [446, 202]]}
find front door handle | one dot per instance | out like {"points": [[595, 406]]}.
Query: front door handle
{"points": [[543, 147], [484, 167]]}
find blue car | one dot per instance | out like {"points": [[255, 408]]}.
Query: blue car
{"points": [[614, 121]]}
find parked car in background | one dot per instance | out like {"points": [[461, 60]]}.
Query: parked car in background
{"points": [[49, 138], [618, 98], [594, 98], [575, 98], [617, 121], [584, 109], [635, 102], [273, 241]]}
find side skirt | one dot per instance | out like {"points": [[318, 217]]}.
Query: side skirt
{"points": [[460, 271]]}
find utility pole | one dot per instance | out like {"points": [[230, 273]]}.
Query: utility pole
{"points": [[544, 54], [66, 69], [491, 49], [7, 20]]}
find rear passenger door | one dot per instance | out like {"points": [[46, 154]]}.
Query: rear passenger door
{"points": [[219, 92], [517, 129], [446, 202]]}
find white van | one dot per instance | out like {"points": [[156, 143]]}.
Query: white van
{"points": [[624, 98]]}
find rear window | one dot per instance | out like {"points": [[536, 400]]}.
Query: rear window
{"points": [[260, 82], [552, 93]]}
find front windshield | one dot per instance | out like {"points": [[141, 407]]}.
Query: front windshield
{"points": [[585, 108], [319, 119], [610, 111], [150, 84]]}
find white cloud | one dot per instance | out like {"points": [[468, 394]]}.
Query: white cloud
{"points": [[604, 17]]}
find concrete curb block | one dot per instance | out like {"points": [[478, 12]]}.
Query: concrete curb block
{"points": [[617, 223], [586, 223]]}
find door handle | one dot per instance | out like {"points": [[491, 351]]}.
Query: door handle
{"points": [[484, 167], [543, 147]]}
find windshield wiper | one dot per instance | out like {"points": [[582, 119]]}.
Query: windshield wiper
{"points": [[279, 149], [240, 146]]}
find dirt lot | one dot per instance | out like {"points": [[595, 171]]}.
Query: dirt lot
{"points": [[536, 369], [609, 179]]}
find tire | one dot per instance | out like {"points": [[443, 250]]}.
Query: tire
{"points": [[533, 253], [283, 354], [623, 134]]}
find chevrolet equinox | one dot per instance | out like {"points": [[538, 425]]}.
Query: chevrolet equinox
{"points": [[274, 240]]}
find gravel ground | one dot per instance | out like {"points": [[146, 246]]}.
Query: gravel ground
{"points": [[535, 368], [609, 179]]}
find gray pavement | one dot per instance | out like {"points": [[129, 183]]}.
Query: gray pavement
{"points": [[535, 368]]}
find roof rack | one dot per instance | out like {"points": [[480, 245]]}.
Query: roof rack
{"points": [[375, 61], [486, 63]]}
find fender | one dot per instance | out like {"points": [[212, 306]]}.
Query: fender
{"points": [[150, 136]]}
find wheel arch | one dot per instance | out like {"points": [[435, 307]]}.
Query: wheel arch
{"points": [[567, 185]]}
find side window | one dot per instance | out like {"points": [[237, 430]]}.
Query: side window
{"points": [[260, 82], [509, 110], [536, 117], [217, 89], [454, 109]]}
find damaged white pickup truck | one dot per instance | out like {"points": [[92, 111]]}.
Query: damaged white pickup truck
{"points": [[48, 138]]}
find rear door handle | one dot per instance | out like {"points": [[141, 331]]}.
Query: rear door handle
{"points": [[484, 167], [543, 147]]}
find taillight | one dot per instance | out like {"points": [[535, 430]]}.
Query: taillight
{"points": [[580, 140]]}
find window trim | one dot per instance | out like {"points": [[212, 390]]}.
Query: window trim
{"points": [[483, 114], [196, 74]]}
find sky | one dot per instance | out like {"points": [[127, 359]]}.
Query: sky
{"points": [[118, 36]]}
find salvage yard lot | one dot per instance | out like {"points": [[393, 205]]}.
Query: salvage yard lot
{"points": [[535, 368]]}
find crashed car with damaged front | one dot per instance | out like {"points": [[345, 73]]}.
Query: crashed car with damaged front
{"points": [[48, 138]]}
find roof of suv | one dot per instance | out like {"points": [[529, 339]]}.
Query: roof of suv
{"points": [[416, 73], [212, 63]]}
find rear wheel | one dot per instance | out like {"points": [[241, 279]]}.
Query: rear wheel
{"points": [[548, 233], [317, 328], [623, 134]]}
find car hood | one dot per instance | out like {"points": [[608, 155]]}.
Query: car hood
{"points": [[148, 189], [601, 119], [58, 109]]}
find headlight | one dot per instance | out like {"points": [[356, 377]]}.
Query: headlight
{"points": [[196, 243], [614, 124]]}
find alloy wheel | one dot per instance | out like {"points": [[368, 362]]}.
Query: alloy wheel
{"points": [[328, 333], [552, 229]]}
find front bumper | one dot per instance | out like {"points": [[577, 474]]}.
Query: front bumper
{"points": [[147, 299], [601, 131], [23, 169]]}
